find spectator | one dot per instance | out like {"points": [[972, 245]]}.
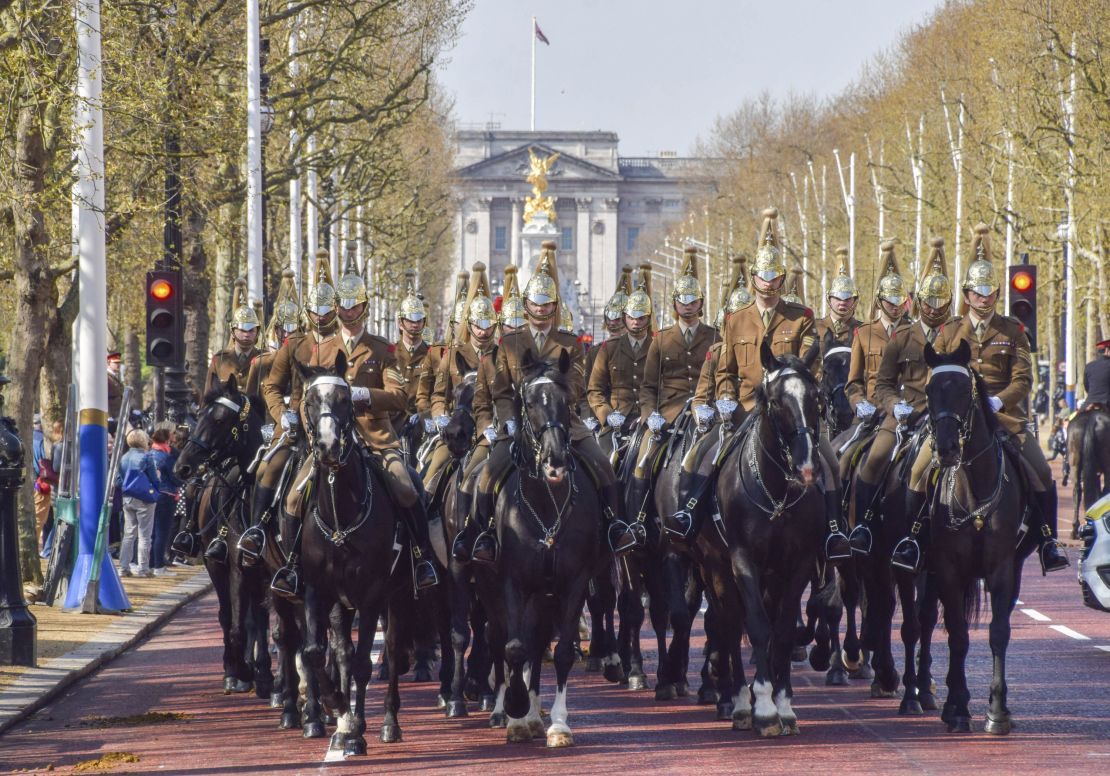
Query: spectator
{"points": [[46, 478], [138, 481], [165, 456], [1058, 442]]}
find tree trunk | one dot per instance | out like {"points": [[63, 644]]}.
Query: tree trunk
{"points": [[57, 371], [1053, 325], [34, 301], [133, 366], [198, 290], [227, 269]]}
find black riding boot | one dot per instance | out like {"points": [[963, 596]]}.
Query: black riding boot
{"points": [[288, 581], [424, 571], [485, 548], [253, 541], [1052, 556], [217, 548], [462, 548], [907, 553], [836, 542], [622, 534], [861, 538]]}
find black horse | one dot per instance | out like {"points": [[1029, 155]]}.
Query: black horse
{"points": [[548, 517], [218, 454], [1089, 454], [834, 378], [977, 528], [773, 513], [351, 546]]}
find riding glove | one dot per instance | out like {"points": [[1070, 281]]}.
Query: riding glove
{"points": [[704, 415], [490, 434], [360, 393], [864, 410], [995, 402], [902, 410], [615, 420], [655, 422], [591, 423], [725, 407], [441, 421], [429, 426], [289, 420]]}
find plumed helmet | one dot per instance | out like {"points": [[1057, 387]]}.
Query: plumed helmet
{"points": [[458, 309], [512, 304], [936, 289], [286, 310], [768, 263], [686, 286], [350, 290], [243, 315], [479, 306], [842, 286], [321, 299], [891, 287], [412, 306], [566, 318], [638, 303], [614, 308], [980, 276], [543, 286], [737, 296], [794, 290]]}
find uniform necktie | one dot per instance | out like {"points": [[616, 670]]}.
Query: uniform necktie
{"points": [[931, 336], [766, 315], [689, 337], [980, 329], [540, 339], [889, 330]]}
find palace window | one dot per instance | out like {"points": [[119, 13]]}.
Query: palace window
{"points": [[633, 237], [567, 239], [500, 238]]}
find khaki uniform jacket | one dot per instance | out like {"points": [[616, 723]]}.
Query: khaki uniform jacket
{"points": [[902, 372], [791, 331], [1001, 358], [448, 376], [230, 361], [259, 369], [867, 353], [500, 391], [672, 369], [616, 377], [115, 395], [409, 365], [705, 393], [426, 383], [370, 364], [843, 332]]}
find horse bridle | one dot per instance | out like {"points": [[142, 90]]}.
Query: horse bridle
{"points": [[532, 436], [345, 428], [963, 422], [830, 408], [212, 450], [786, 439]]}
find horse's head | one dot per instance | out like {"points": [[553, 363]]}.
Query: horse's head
{"points": [[834, 379], [545, 414], [328, 412], [954, 393], [791, 400], [221, 425], [458, 434]]}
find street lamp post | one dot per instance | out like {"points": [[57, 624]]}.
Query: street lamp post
{"points": [[254, 157]]}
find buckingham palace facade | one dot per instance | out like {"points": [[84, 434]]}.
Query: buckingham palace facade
{"points": [[610, 210]]}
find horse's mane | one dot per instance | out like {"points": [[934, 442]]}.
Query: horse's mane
{"points": [[788, 362]]}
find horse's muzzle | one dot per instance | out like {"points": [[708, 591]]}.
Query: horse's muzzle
{"points": [[554, 474], [807, 474]]}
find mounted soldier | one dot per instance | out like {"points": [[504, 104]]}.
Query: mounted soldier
{"points": [[737, 296], [1096, 379], [539, 339], [618, 372], [430, 366], [614, 328], [1000, 354], [411, 351], [900, 388], [336, 316], [788, 329], [236, 358], [284, 323], [842, 298]]}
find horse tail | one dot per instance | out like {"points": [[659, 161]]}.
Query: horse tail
{"points": [[973, 602], [1087, 467]]}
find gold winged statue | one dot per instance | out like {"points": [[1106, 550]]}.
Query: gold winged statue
{"points": [[537, 176]]}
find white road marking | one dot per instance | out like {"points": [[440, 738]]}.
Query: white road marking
{"points": [[1019, 602], [1069, 632], [1036, 615], [1104, 649]]}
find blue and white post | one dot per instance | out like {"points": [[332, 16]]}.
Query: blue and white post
{"points": [[92, 378]]}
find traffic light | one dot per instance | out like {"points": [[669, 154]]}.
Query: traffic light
{"points": [[1023, 299], [165, 319]]}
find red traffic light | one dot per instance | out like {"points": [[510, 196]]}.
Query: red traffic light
{"points": [[1021, 281], [161, 289]]}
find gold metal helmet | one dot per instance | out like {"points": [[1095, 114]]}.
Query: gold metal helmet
{"points": [[286, 310], [843, 287], [768, 263], [321, 299], [479, 306], [740, 296], [458, 309], [891, 287], [543, 286], [512, 305], [794, 291], [351, 289], [935, 288], [686, 286], [980, 276], [638, 303], [614, 308], [243, 315], [412, 306]]}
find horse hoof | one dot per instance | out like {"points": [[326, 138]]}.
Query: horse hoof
{"points": [[593, 664], [276, 701], [798, 654], [741, 721], [789, 727], [498, 720], [724, 710], [665, 692], [518, 733], [263, 690], [421, 674], [864, 672], [456, 709], [613, 673], [770, 727], [559, 738], [637, 682], [329, 718], [681, 689], [535, 726], [337, 742], [998, 727], [441, 701], [289, 720], [836, 677], [354, 747], [819, 657], [929, 701], [487, 702], [959, 725], [910, 706], [708, 696], [314, 730], [391, 734], [472, 690], [851, 665], [878, 691], [235, 686]]}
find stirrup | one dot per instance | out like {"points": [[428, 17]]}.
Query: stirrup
{"points": [[861, 540], [424, 574], [184, 544], [487, 553], [906, 555], [216, 551], [251, 545], [679, 524], [1057, 562], [287, 582], [837, 547], [622, 537]]}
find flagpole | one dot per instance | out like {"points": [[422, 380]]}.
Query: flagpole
{"points": [[533, 31]]}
